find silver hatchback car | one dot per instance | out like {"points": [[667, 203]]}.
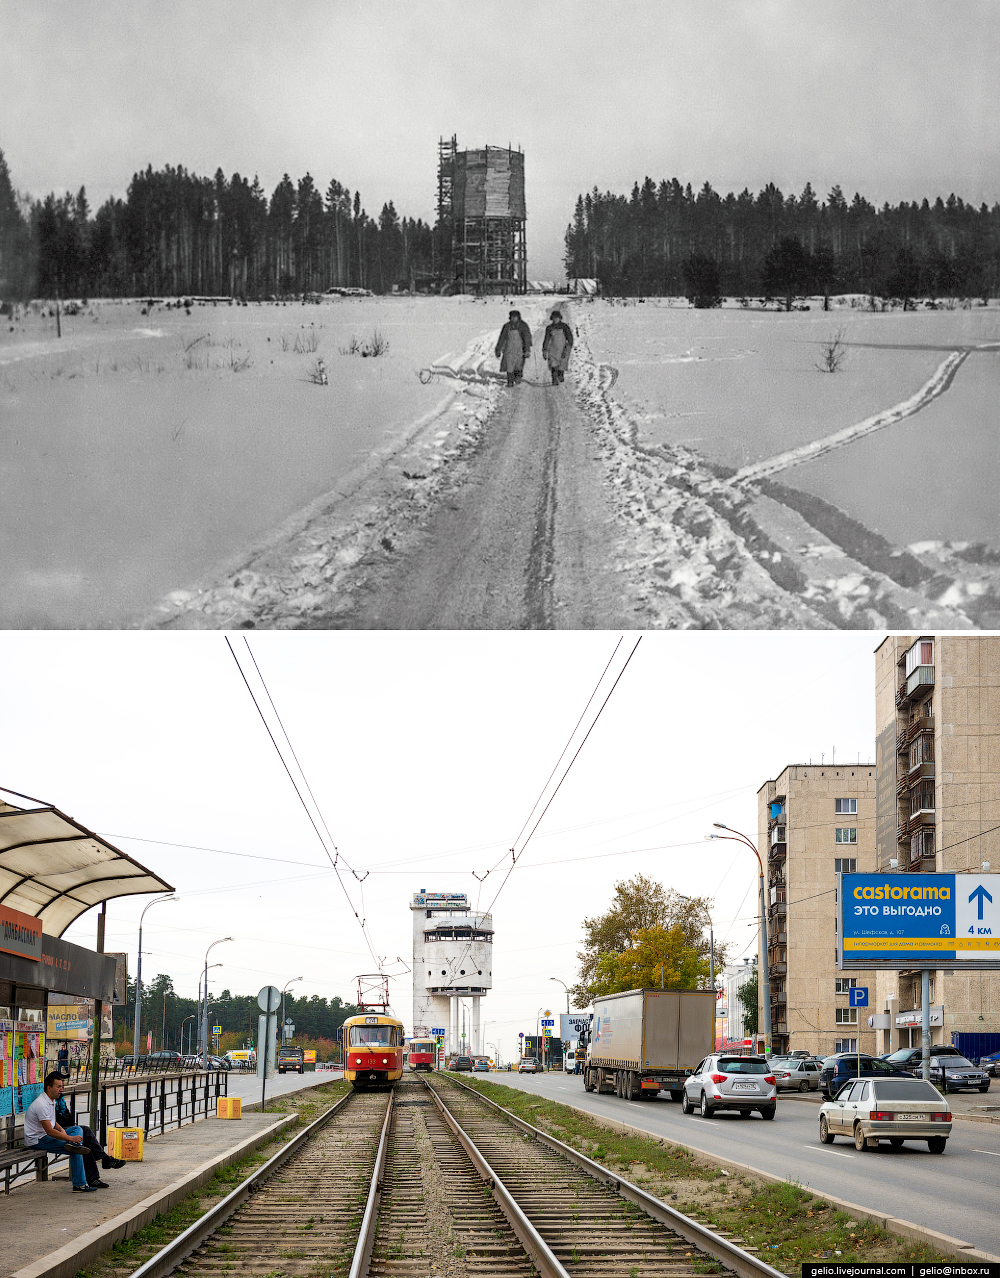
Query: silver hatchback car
{"points": [[870, 1110], [794, 1072], [743, 1083]]}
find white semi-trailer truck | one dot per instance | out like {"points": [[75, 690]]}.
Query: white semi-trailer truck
{"points": [[642, 1042]]}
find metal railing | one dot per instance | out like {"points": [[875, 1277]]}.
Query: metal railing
{"points": [[155, 1103]]}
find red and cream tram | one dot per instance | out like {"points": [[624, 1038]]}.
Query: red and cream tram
{"points": [[373, 1051], [422, 1053]]}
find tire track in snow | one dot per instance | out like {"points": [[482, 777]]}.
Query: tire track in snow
{"points": [[937, 384]]}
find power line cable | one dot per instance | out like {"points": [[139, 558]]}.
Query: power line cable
{"points": [[305, 806]]}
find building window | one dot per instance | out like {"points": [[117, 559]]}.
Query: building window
{"points": [[845, 835], [922, 798], [845, 865], [846, 1045], [845, 806], [921, 654], [922, 844], [922, 750], [846, 1015], [841, 984]]}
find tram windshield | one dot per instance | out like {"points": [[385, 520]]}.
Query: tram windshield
{"points": [[425, 1046], [372, 1035]]}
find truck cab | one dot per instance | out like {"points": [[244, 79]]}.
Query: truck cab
{"points": [[291, 1058]]}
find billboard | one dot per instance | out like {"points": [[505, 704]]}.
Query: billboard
{"points": [[919, 920], [571, 1023]]}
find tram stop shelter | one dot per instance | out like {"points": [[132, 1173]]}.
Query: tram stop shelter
{"points": [[52, 870]]}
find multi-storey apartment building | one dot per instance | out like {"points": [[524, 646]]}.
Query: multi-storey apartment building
{"points": [[812, 823], [937, 701]]}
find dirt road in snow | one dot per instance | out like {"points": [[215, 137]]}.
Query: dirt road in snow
{"points": [[526, 541]]}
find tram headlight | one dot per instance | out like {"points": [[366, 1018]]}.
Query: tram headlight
{"points": [[385, 1060]]}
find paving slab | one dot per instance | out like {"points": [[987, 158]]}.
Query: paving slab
{"points": [[43, 1217]]}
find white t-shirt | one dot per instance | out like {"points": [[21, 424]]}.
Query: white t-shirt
{"points": [[42, 1107]]}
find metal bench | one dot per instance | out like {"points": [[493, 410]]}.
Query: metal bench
{"points": [[12, 1161]]}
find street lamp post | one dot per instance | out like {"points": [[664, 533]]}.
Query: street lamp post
{"points": [[204, 1041], [138, 976], [565, 987], [287, 983], [183, 1023], [736, 837], [711, 939], [210, 967]]}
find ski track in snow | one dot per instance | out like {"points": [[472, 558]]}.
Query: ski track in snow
{"points": [[936, 385]]}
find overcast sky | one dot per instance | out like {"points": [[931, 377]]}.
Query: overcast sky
{"points": [[895, 99], [426, 753]]}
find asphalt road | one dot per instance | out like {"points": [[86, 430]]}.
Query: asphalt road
{"points": [[955, 1193], [247, 1086]]}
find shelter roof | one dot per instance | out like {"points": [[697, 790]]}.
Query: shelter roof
{"points": [[55, 869]]}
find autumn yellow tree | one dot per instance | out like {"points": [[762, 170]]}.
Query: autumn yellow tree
{"points": [[658, 956]]}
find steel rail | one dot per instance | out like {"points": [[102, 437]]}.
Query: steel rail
{"points": [[733, 1257], [369, 1222], [166, 1260], [542, 1256]]}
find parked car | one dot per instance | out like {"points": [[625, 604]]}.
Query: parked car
{"points": [[870, 1110], [528, 1065], [463, 1064], [797, 1074], [991, 1065], [949, 1067], [836, 1070], [743, 1083]]}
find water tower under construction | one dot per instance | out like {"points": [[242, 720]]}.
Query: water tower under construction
{"points": [[452, 968], [481, 216]]}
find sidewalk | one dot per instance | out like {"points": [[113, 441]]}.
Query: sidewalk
{"points": [[50, 1217]]}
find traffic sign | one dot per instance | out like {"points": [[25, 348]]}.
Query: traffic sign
{"points": [[520, 1036], [548, 1020], [216, 1029], [546, 1033], [269, 998], [858, 997], [437, 1033]]}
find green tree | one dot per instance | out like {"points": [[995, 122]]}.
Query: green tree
{"points": [[657, 956], [787, 271], [701, 281], [640, 904], [748, 995]]}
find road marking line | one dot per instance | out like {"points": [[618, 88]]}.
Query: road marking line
{"points": [[991, 1152], [836, 1153]]}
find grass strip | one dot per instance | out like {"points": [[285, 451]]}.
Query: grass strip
{"points": [[126, 1256], [785, 1223]]}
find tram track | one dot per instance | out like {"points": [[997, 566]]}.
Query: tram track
{"points": [[435, 1180]]}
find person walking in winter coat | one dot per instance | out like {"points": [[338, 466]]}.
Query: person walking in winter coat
{"points": [[513, 347], [556, 346]]}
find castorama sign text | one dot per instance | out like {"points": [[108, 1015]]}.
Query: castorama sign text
{"points": [[910, 920]]}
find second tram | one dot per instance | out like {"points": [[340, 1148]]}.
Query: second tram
{"points": [[373, 1051], [422, 1053]]}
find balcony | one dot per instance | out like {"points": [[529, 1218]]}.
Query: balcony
{"points": [[920, 680], [779, 997], [777, 910], [924, 723], [777, 938], [920, 820], [778, 835], [919, 771], [777, 854], [776, 969]]}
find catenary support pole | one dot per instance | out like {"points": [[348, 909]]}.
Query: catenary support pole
{"points": [[925, 1024], [95, 1054], [764, 976]]}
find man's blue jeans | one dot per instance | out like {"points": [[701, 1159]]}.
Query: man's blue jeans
{"points": [[58, 1146]]}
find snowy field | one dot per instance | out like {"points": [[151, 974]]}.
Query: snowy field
{"points": [[162, 467], [143, 451], [740, 386]]}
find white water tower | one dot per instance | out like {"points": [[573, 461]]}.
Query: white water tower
{"points": [[452, 966]]}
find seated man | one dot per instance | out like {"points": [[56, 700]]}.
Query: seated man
{"points": [[42, 1131], [90, 1148]]}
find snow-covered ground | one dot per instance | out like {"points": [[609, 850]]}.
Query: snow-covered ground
{"points": [[868, 493], [143, 452], [166, 468]]}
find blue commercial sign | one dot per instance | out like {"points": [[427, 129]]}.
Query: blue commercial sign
{"points": [[909, 920], [858, 997]]}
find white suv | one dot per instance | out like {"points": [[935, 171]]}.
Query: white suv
{"points": [[743, 1083]]}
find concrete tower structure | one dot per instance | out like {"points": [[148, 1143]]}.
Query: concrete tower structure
{"points": [[452, 965]]}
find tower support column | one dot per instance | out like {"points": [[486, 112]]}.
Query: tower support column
{"points": [[477, 1045]]}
